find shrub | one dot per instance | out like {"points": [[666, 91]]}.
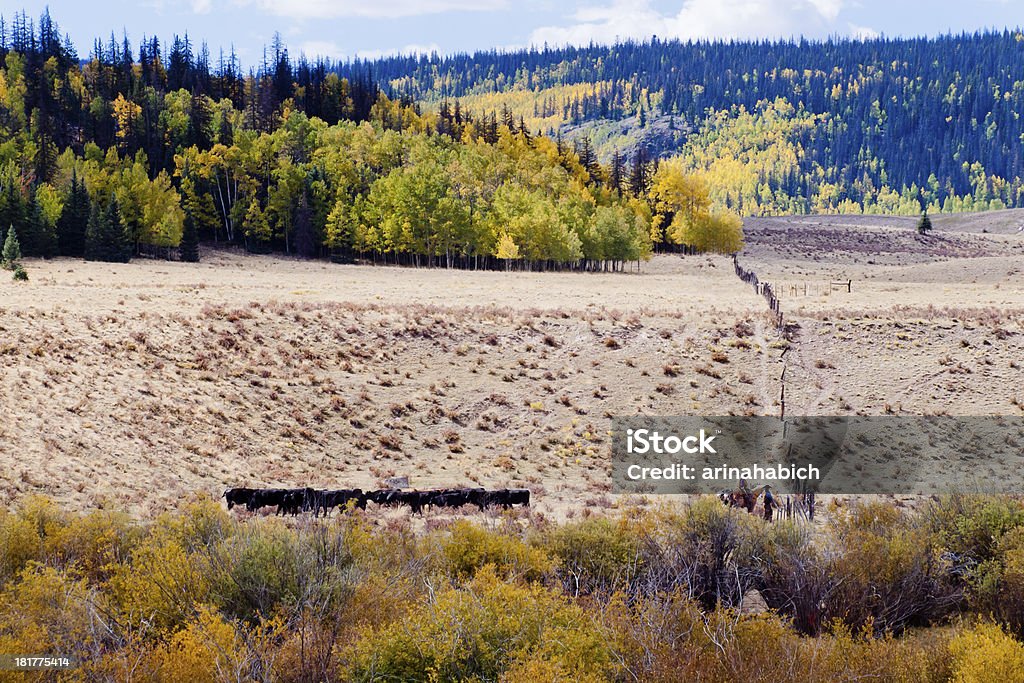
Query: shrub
{"points": [[711, 551], [889, 571], [998, 584], [93, 544], [200, 524], [467, 547], [19, 273], [480, 632], [161, 586], [207, 649], [256, 570], [46, 610], [970, 526], [986, 653], [596, 555], [796, 578], [20, 542], [269, 569]]}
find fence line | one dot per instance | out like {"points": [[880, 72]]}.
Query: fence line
{"points": [[811, 288], [800, 505], [765, 289]]}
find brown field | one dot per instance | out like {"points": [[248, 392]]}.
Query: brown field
{"points": [[131, 386]]}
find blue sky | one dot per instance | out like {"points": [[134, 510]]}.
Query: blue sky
{"points": [[346, 28]]}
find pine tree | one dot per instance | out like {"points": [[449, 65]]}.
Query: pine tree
{"points": [[924, 226], [30, 238], [44, 239], [189, 246], [617, 172], [73, 221], [12, 249], [120, 243], [12, 209], [93, 232], [105, 238]]}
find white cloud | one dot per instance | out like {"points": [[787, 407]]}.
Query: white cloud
{"points": [[413, 49], [863, 32], [696, 19], [378, 9], [202, 6], [330, 49]]}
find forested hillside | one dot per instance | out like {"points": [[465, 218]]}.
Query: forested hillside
{"points": [[118, 155], [495, 160], [884, 125]]}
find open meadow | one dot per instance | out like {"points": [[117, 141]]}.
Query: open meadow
{"points": [[133, 386]]}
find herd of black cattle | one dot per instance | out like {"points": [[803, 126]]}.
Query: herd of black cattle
{"points": [[294, 501]]}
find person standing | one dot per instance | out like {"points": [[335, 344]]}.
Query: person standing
{"points": [[770, 504]]}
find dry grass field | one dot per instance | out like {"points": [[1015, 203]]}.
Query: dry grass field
{"points": [[933, 325], [132, 386]]}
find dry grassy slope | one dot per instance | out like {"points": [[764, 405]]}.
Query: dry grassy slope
{"points": [[933, 324], [131, 386]]}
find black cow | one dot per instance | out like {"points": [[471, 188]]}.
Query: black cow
{"points": [[416, 500], [296, 501], [506, 498], [518, 497], [385, 497], [262, 498], [453, 498], [238, 496], [328, 500]]}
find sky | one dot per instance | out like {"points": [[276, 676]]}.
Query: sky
{"points": [[342, 29]]}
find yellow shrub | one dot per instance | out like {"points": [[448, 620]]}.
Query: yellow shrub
{"points": [[161, 586], [986, 654], [540, 669], [48, 611], [92, 543], [466, 547], [20, 542], [199, 524], [207, 649], [481, 632]]}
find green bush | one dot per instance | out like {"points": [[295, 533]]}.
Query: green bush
{"points": [[268, 568], [997, 588], [970, 526]]}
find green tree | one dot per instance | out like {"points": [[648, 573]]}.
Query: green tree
{"points": [[924, 225], [189, 246], [12, 249], [106, 238], [74, 219]]}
